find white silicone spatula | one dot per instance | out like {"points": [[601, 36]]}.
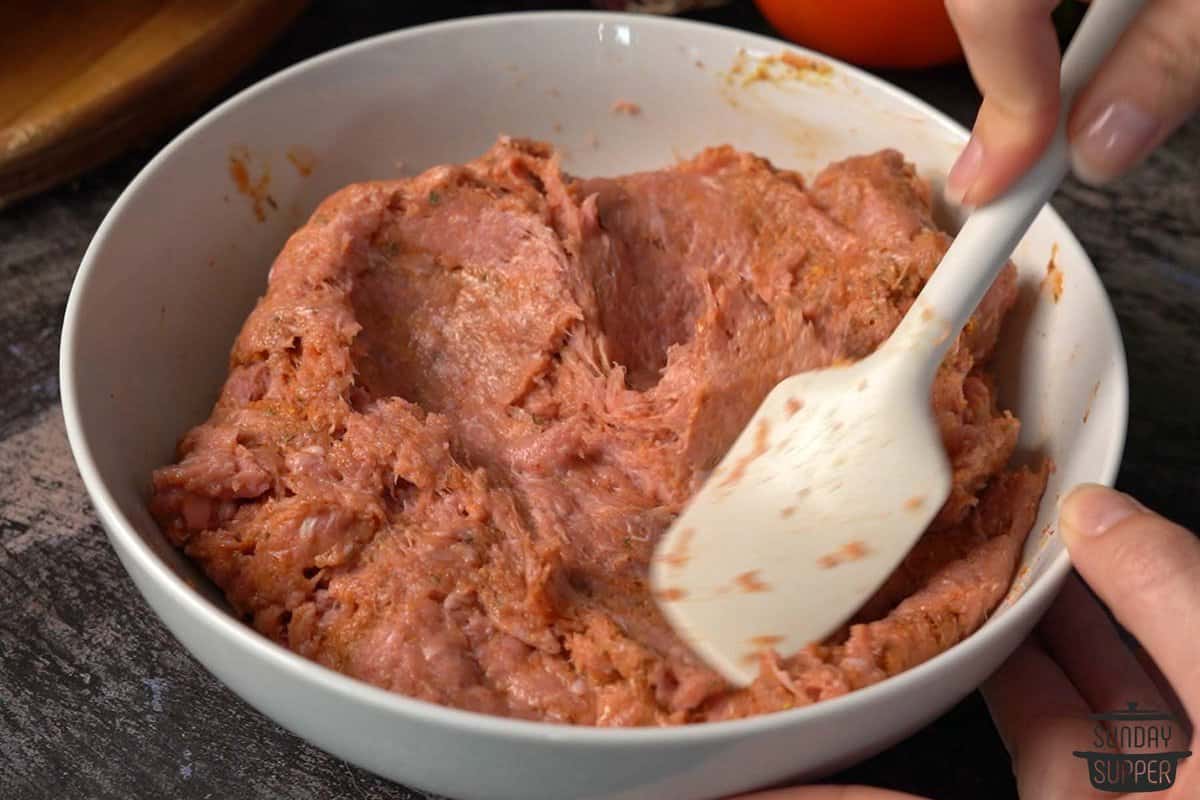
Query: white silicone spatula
{"points": [[841, 470]]}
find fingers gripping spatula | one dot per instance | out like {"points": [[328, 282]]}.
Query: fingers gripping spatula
{"points": [[840, 470]]}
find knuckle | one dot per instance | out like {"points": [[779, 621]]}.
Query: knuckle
{"points": [[1171, 57], [1143, 571], [1032, 117]]}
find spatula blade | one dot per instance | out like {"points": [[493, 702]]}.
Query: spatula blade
{"points": [[810, 511]]}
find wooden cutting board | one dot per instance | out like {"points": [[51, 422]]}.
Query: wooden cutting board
{"points": [[81, 80]]}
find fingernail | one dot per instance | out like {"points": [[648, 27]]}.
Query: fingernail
{"points": [[1092, 510], [1111, 141], [965, 171]]}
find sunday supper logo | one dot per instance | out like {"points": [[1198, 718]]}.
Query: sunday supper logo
{"points": [[1132, 750]]}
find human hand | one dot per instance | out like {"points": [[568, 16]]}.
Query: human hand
{"points": [[1147, 571], [1146, 88]]}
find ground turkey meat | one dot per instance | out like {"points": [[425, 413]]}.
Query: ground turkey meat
{"points": [[471, 401]]}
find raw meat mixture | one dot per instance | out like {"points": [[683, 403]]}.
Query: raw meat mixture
{"points": [[470, 402]]}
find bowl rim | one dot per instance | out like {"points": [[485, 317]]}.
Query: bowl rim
{"points": [[221, 626]]}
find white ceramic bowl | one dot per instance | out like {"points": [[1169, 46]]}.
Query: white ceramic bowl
{"points": [[181, 258]]}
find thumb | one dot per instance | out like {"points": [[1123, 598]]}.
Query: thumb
{"points": [[1146, 569]]}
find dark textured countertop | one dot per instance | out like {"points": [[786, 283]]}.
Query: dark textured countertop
{"points": [[97, 700]]}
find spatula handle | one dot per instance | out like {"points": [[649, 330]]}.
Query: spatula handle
{"points": [[992, 232]]}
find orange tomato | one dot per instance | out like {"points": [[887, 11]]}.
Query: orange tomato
{"points": [[904, 34]]}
